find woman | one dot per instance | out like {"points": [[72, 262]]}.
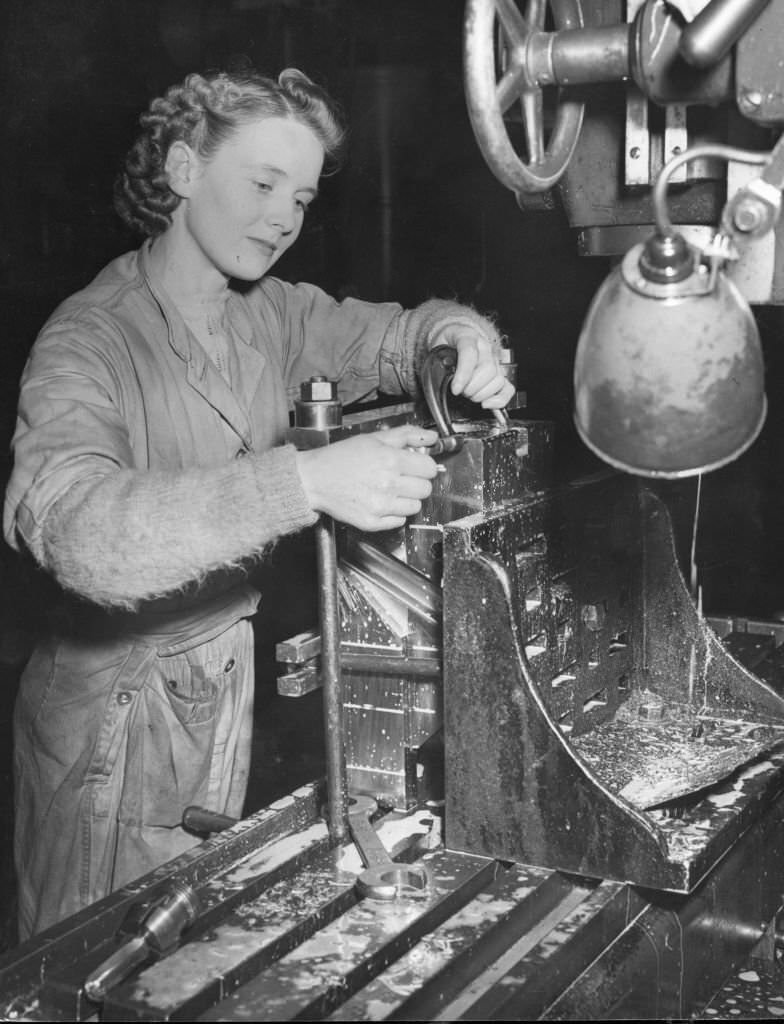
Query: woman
{"points": [[150, 473]]}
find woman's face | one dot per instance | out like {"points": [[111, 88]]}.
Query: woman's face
{"points": [[245, 205]]}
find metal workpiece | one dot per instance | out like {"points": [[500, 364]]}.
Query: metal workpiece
{"points": [[589, 709], [387, 589], [419, 592], [391, 638], [494, 465]]}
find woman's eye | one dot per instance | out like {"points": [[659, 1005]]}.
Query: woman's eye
{"points": [[263, 186]]}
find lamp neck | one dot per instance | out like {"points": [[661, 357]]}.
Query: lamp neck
{"points": [[666, 259]]}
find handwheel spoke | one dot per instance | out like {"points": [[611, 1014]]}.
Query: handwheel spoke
{"points": [[534, 13], [512, 22], [532, 106], [510, 86]]}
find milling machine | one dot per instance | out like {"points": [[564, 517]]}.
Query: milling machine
{"points": [[575, 775]]}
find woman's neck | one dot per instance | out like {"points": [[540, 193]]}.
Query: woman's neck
{"points": [[199, 290]]}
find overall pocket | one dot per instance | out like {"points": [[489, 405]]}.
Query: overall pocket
{"points": [[172, 739]]}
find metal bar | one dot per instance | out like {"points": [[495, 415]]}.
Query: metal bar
{"points": [[299, 648], [329, 610], [637, 151], [676, 137], [417, 591], [424, 668]]}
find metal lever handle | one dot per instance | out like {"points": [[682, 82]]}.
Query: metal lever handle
{"points": [[716, 29], [437, 371], [201, 820]]}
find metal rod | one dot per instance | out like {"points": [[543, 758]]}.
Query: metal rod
{"points": [[427, 669], [710, 36], [417, 591], [329, 609], [719, 151]]}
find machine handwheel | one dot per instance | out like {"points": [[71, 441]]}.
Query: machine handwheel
{"points": [[489, 97]]}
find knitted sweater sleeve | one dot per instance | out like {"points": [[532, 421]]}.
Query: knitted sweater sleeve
{"points": [[130, 536]]}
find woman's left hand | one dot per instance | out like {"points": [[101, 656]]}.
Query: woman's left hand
{"points": [[478, 374]]}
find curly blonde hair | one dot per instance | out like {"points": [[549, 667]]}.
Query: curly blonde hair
{"points": [[204, 111]]}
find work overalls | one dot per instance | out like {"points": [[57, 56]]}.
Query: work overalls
{"points": [[124, 719]]}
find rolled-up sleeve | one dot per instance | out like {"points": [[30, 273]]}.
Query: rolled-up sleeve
{"points": [[363, 345], [69, 426]]}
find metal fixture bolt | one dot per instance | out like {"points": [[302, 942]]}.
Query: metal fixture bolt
{"points": [[319, 389], [748, 215]]}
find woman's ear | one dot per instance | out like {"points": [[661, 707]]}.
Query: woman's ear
{"points": [[182, 166]]}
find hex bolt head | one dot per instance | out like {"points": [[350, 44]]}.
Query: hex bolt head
{"points": [[748, 215], [319, 389]]}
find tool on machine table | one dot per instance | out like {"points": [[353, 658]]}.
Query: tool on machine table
{"points": [[382, 879], [159, 933], [203, 821]]}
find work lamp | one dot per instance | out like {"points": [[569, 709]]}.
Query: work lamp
{"points": [[668, 376]]}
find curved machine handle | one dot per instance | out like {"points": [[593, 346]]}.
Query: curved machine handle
{"points": [[437, 371], [716, 29]]}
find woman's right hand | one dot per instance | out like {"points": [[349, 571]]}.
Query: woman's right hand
{"points": [[371, 481]]}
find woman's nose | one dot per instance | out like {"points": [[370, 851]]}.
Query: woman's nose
{"points": [[282, 215]]}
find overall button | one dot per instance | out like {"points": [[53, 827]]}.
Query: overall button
{"points": [[123, 697], [172, 684], [229, 665]]}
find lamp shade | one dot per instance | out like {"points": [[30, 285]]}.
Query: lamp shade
{"points": [[668, 377]]}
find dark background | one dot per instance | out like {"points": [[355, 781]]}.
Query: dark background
{"points": [[414, 213]]}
